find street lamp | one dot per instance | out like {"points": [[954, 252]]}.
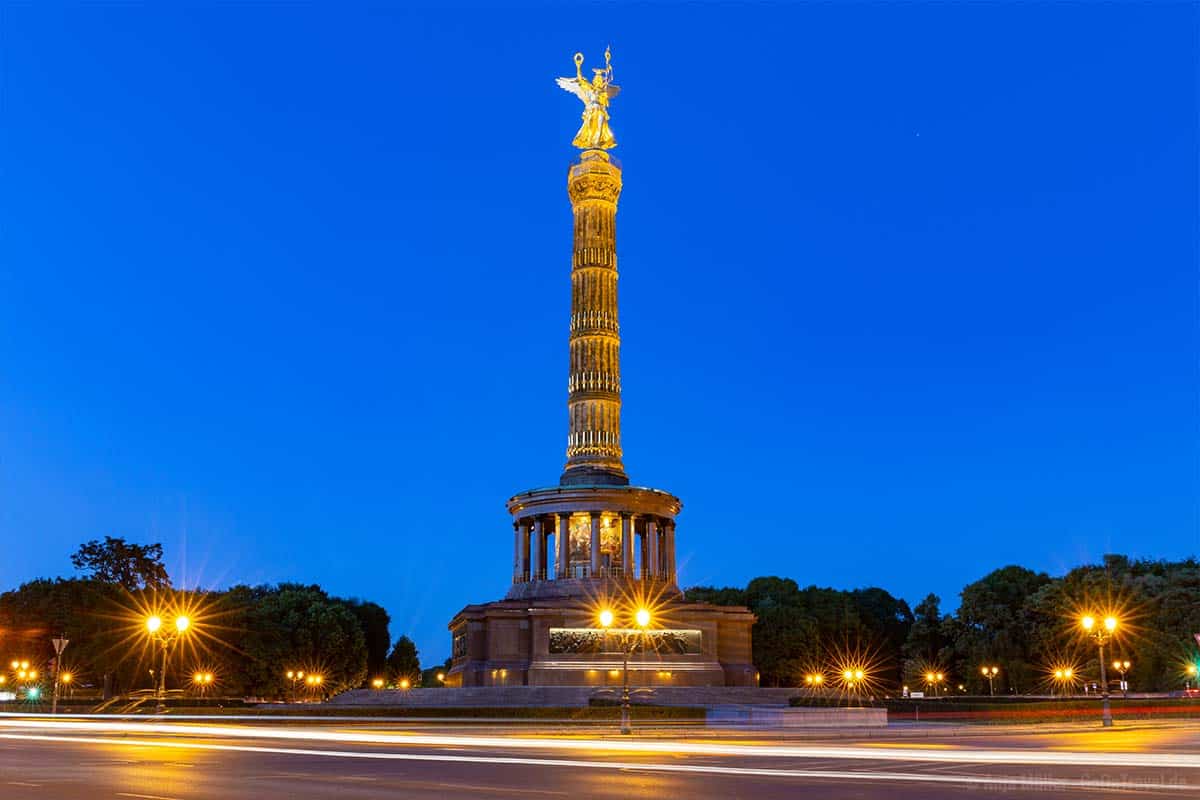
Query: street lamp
{"points": [[1123, 667], [628, 641], [1101, 634], [1191, 675], [852, 680], [294, 676], [990, 673], [1064, 676], [166, 636], [813, 680], [934, 679]]}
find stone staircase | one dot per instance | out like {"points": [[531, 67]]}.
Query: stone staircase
{"points": [[562, 696]]}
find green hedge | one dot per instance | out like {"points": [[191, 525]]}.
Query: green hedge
{"points": [[1024, 709]]}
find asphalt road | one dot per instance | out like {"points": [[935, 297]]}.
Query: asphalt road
{"points": [[96, 760]]}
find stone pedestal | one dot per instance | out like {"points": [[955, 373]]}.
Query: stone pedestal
{"points": [[509, 643]]}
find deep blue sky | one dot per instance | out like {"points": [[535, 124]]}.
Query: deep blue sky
{"points": [[908, 291]]}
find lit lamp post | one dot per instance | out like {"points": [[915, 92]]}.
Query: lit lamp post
{"points": [[629, 640], [1101, 634], [314, 684], [166, 637], [990, 673], [1191, 675], [814, 680], [202, 681], [1063, 677], [24, 675], [852, 679], [934, 679], [294, 676], [1123, 667]]}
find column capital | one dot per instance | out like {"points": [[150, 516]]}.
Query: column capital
{"points": [[595, 514]]}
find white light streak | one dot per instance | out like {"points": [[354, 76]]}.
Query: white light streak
{"points": [[1008, 781], [1027, 757]]}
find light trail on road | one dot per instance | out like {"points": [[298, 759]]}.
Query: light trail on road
{"points": [[1018, 757], [1009, 782]]}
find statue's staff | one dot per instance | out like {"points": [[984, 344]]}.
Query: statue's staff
{"points": [[608, 63]]}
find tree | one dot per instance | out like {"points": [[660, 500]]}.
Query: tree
{"points": [[133, 566], [84, 612], [783, 637], [801, 630], [429, 677], [727, 596], [994, 625], [925, 640], [374, 621], [926, 648], [293, 626], [885, 622], [403, 663]]}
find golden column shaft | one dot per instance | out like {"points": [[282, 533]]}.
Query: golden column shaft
{"points": [[594, 380]]}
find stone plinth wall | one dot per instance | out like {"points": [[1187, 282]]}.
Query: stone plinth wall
{"points": [[776, 717], [562, 696]]}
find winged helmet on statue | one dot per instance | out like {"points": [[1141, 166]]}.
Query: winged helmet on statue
{"points": [[594, 133]]}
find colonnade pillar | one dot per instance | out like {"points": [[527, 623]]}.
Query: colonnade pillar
{"points": [[595, 544], [516, 551], [562, 542], [525, 531], [532, 559], [627, 544], [537, 551], [650, 567], [669, 548]]}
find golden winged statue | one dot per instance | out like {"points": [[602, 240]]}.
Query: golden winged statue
{"points": [[594, 133]]}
